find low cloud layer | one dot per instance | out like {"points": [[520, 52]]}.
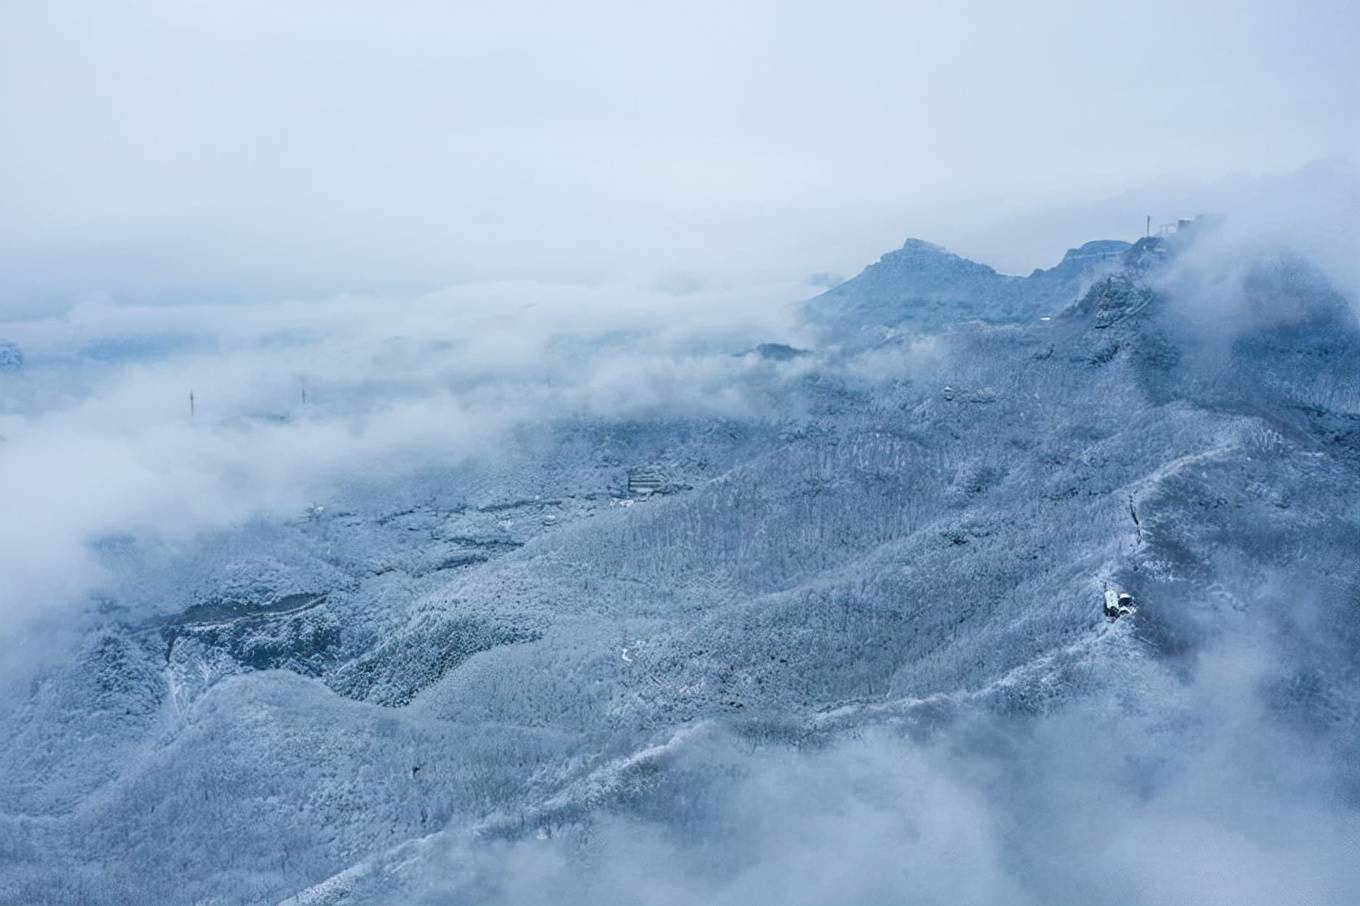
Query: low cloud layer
{"points": [[1155, 791], [292, 397], [1309, 218]]}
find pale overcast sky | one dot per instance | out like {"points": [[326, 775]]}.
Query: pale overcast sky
{"points": [[225, 150]]}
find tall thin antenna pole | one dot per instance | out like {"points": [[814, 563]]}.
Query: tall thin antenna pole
{"points": [[1149, 226], [191, 404]]}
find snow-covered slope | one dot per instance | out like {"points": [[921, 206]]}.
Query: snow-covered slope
{"points": [[376, 700]]}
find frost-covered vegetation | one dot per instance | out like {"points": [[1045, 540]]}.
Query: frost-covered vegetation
{"points": [[852, 648]]}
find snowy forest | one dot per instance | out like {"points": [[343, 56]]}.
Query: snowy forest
{"points": [[707, 454]]}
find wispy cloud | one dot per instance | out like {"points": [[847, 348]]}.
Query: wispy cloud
{"points": [[1152, 791], [98, 437]]}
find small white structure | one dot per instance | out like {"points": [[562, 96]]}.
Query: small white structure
{"points": [[1117, 604]]}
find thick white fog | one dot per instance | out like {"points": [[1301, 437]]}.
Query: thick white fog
{"points": [[199, 152]]}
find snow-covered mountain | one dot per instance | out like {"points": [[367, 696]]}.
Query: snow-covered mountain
{"points": [[583, 669], [925, 287]]}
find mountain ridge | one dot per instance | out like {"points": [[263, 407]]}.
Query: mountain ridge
{"points": [[924, 286]]}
